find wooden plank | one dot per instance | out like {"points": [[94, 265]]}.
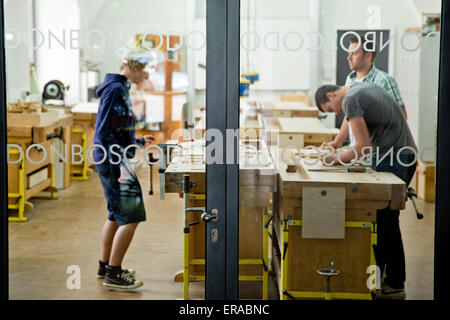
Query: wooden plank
{"points": [[250, 236], [288, 109], [355, 210], [323, 213], [304, 125], [65, 120], [291, 139], [426, 180], [40, 187], [350, 255], [32, 119], [19, 132], [257, 196], [38, 177], [37, 156], [292, 97]]}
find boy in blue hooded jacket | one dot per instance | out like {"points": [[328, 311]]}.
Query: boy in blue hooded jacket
{"points": [[115, 127]]}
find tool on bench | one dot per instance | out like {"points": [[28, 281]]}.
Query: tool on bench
{"points": [[360, 169], [411, 193]]}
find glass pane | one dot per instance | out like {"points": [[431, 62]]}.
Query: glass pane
{"points": [[325, 223], [81, 73]]}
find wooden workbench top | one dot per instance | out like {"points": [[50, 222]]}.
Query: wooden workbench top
{"points": [[252, 172], [291, 106], [304, 125], [254, 155], [371, 185], [88, 107], [246, 122]]}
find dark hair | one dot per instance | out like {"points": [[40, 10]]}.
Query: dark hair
{"points": [[370, 44], [321, 97]]}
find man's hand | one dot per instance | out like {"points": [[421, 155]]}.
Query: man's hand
{"points": [[329, 144], [329, 160], [149, 138]]}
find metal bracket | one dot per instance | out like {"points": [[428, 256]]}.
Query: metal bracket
{"points": [[213, 216]]}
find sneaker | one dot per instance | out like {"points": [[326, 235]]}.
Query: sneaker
{"points": [[388, 293], [121, 280], [102, 271]]}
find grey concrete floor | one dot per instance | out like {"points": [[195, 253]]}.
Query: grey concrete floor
{"points": [[67, 232]]}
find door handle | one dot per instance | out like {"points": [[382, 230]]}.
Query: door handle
{"points": [[208, 217]]}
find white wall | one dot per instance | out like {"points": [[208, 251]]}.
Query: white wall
{"points": [[428, 6], [17, 23], [398, 15], [269, 10], [118, 20], [59, 61]]}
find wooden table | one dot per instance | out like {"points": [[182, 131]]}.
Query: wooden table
{"points": [[299, 132], [325, 217], [35, 173], [256, 183], [250, 127], [288, 109]]}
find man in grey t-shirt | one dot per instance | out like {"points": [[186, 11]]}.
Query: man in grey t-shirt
{"points": [[377, 121], [376, 113], [385, 121]]}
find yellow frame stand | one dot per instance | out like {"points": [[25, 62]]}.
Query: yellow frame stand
{"points": [[187, 262], [83, 173], [21, 201], [284, 293]]}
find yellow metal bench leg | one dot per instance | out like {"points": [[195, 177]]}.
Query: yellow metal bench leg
{"points": [[186, 266], [85, 170], [265, 255], [284, 260], [373, 243], [20, 207], [20, 210]]}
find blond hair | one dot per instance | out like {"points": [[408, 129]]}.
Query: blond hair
{"points": [[131, 64]]}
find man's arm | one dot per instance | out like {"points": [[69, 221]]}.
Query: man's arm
{"points": [[341, 136], [362, 138], [404, 112]]}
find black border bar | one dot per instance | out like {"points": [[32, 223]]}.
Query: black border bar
{"points": [[442, 205], [4, 281]]}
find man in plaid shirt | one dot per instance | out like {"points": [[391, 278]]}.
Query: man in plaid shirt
{"points": [[363, 70]]}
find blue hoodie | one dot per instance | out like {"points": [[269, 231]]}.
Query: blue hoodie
{"points": [[115, 120]]}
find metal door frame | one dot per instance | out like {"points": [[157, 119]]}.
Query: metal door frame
{"points": [[222, 180]]}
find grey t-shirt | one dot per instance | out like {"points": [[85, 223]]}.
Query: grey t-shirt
{"points": [[384, 118]]}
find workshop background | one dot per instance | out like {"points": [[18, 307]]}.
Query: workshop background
{"points": [[58, 53]]}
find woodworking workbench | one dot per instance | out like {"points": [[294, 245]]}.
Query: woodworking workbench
{"points": [[299, 132], [256, 181], [251, 127], [325, 222], [84, 119], [32, 173], [288, 109], [295, 97]]}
